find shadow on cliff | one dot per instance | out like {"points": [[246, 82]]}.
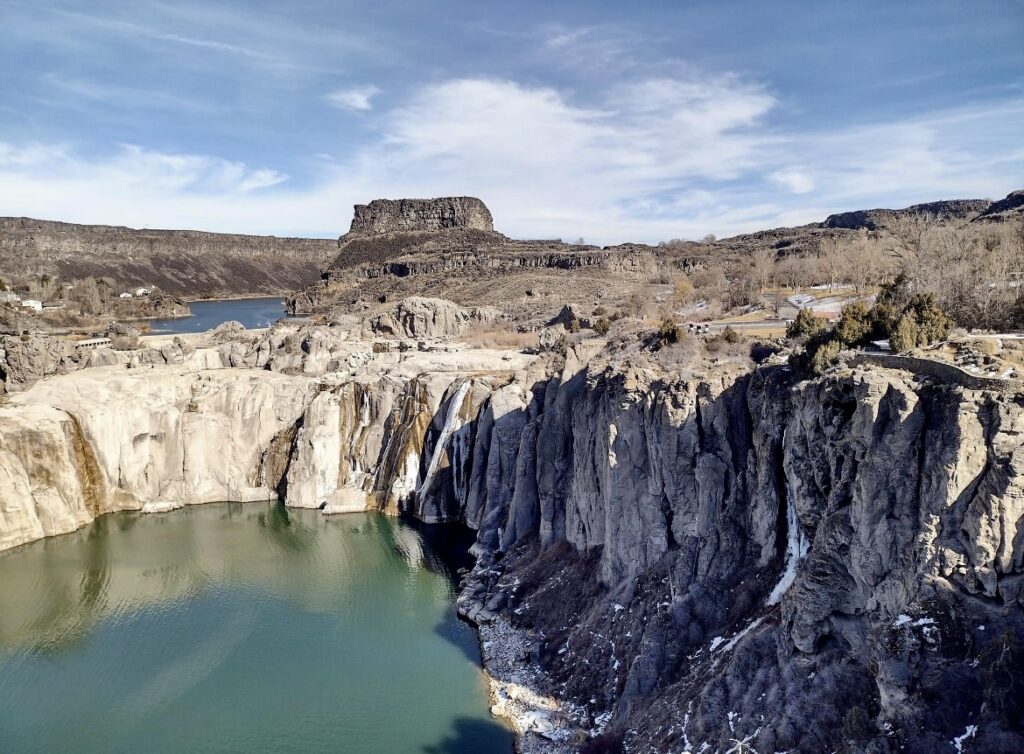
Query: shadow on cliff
{"points": [[469, 736]]}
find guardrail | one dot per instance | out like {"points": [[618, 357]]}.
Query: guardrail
{"points": [[940, 370]]}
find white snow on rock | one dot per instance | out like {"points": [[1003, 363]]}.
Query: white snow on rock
{"points": [[958, 742]]}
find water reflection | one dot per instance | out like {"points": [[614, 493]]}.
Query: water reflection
{"points": [[237, 627]]}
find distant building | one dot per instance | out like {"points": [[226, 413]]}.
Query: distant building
{"points": [[9, 297], [53, 304], [142, 291], [33, 304], [125, 295]]}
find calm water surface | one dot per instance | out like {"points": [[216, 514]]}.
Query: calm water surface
{"points": [[251, 312], [237, 628]]}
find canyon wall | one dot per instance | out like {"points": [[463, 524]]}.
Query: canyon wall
{"points": [[687, 561], [178, 262]]}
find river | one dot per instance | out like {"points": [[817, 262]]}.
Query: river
{"points": [[238, 628], [206, 315]]}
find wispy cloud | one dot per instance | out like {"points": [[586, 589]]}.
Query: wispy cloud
{"points": [[131, 169], [645, 160], [118, 96], [353, 98], [139, 30]]}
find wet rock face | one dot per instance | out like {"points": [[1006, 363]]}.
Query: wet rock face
{"points": [[390, 216]]}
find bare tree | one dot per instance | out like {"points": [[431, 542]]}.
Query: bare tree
{"points": [[907, 233], [831, 254], [862, 263], [86, 294], [796, 272], [764, 268]]}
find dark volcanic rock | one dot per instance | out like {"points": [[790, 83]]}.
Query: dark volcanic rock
{"points": [[1013, 204], [875, 219], [178, 262], [389, 216]]}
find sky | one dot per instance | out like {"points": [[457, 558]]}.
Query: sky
{"points": [[609, 121]]}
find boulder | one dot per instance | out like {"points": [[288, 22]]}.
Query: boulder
{"points": [[570, 319]]}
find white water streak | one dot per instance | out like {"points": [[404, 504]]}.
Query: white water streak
{"points": [[797, 545], [452, 422]]}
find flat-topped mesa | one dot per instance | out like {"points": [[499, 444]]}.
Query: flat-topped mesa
{"points": [[403, 215]]}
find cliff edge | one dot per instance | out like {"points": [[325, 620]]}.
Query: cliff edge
{"points": [[390, 216]]}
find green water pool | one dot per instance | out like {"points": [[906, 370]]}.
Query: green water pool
{"points": [[238, 628]]}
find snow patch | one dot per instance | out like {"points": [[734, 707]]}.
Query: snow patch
{"points": [[958, 742]]}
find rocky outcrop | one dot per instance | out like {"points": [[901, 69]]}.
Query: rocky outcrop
{"points": [[25, 359], [286, 348], [1005, 209], [409, 247], [569, 318], [706, 562], [419, 317], [391, 216], [958, 210], [101, 441]]}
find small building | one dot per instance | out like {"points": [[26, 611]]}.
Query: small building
{"points": [[53, 305], [93, 343], [142, 291], [9, 297], [31, 303], [126, 294]]}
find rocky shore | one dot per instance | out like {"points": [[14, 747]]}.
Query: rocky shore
{"points": [[542, 724]]}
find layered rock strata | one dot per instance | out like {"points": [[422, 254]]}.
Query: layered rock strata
{"points": [[179, 262], [388, 216]]}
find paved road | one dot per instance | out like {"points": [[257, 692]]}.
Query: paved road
{"points": [[759, 324]]}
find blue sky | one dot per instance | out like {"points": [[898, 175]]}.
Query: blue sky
{"points": [[608, 120]]}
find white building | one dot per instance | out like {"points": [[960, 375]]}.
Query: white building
{"points": [[125, 295], [33, 304], [142, 291]]}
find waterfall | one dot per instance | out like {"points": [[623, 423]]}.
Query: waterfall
{"points": [[451, 423], [797, 545]]}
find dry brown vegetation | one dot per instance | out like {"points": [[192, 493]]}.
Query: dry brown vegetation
{"points": [[496, 336], [975, 270]]}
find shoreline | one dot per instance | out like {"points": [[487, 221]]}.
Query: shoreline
{"points": [[283, 297], [540, 723]]}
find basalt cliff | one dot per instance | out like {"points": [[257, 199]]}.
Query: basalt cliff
{"points": [[667, 560], [179, 262]]}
